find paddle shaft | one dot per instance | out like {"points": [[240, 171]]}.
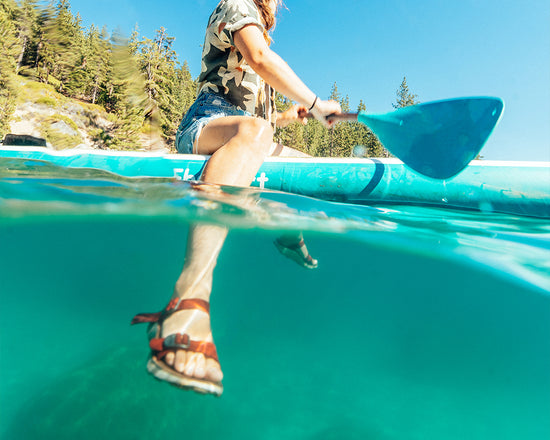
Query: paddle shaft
{"points": [[336, 117]]}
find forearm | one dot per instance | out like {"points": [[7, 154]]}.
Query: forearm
{"points": [[278, 74]]}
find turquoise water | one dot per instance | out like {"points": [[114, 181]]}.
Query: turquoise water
{"points": [[420, 323]]}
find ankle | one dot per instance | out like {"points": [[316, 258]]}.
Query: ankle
{"points": [[181, 294]]}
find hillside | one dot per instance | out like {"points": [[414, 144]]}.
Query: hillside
{"points": [[73, 85], [67, 122]]}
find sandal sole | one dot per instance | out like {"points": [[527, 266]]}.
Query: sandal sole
{"points": [[162, 372]]}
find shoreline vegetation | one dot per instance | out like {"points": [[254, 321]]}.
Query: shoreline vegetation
{"points": [[73, 85]]}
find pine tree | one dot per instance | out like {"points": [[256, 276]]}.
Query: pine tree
{"points": [[98, 55], [342, 135], [35, 54], [334, 96], [61, 44], [293, 134], [282, 134], [404, 96], [125, 94], [366, 138], [158, 63], [88, 78], [9, 50], [27, 30], [316, 138], [185, 91]]}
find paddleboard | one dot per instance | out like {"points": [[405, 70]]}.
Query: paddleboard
{"points": [[491, 186]]}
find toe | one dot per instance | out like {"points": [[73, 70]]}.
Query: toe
{"points": [[169, 359], [213, 371], [191, 364], [181, 358], [200, 367]]}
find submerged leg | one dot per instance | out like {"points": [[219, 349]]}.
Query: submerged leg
{"points": [[238, 146], [204, 244]]}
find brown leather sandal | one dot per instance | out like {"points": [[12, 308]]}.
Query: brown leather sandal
{"points": [[160, 347]]}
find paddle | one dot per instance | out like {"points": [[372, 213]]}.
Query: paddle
{"points": [[437, 139]]}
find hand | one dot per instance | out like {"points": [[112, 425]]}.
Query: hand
{"points": [[322, 109], [296, 113]]}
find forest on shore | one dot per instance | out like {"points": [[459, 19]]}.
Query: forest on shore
{"points": [[138, 81]]}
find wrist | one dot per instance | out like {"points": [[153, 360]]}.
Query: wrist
{"points": [[313, 104]]}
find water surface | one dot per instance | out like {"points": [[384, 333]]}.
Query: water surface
{"points": [[420, 323]]}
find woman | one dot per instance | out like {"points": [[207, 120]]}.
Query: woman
{"points": [[232, 120]]}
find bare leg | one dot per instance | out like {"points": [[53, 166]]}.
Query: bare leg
{"points": [[238, 146], [245, 143], [204, 244]]}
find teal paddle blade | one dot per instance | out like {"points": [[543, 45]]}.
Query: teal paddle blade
{"points": [[437, 139]]}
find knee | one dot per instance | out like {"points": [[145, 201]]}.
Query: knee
{"points": [[258, 131]]}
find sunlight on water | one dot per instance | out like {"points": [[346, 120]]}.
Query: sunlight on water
{"points": [[420, 323]]}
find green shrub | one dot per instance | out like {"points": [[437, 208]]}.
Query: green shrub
{"points": [[35, 91], [101, 136], [57, 117], [58, 140], [46, 100]]}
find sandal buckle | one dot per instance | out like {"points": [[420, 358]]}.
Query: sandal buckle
{"points": [[181, 341]]}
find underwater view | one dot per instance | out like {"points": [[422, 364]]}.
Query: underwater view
{"points": [[419, 323]]}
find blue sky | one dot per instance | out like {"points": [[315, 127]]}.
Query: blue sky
{"points": [[445, 48]]}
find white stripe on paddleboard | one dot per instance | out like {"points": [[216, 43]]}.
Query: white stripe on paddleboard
{"points": [[278, 159]]}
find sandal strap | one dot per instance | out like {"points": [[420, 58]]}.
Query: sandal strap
{"points": [[162, 346], [175, 305]]}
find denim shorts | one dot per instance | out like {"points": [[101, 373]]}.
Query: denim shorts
{"points": [[207, 107]]}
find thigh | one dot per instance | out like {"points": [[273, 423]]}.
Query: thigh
{"points": [[207, 108], [220, 131]]}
